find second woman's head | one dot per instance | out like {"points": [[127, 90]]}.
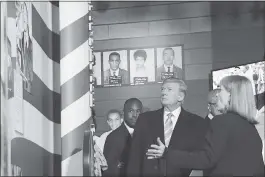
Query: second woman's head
{"points": [[237, 95]]}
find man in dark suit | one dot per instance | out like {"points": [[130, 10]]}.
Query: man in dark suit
{"points": [[117, 145], [213, 104], [115, 70], [171, 125], [168, 66]]}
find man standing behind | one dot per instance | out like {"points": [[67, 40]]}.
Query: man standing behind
{"points": [[114, 120], [171, 125], [168, 66], [213, 104], [117, 144], [115, 70]]}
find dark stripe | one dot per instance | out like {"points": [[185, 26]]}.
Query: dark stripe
{"points": [[74, 35], [75, 88], [55, 20], [72, 142], [11, 9], [48, 40], [56, 3], [44, 100], [33, 159]]}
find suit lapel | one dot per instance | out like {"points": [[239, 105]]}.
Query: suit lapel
{"points": [[120, 72], [179, 128], [160, 127], [125, 130]]}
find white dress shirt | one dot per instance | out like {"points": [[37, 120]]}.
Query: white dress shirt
{"points": [[210, 116], [102, 139], [130, 130], [116, 72], [141, 72], [166, 68], [175, 116]]}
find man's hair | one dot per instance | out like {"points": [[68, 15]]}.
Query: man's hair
{"points": [[114, 54], [242, 99], [213, 96], [169, 48], [182, 85], [127, 102], [113, 111], [140, 53]]}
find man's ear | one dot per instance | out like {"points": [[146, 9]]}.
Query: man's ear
{"points": [[209, 107], [181, 96]]}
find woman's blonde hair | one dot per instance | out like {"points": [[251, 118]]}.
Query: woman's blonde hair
{"points": [[242, 99]]}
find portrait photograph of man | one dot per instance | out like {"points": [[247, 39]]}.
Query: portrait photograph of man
{"points": [[97, 67], [142, 67], [115, 68], [169, 63]]}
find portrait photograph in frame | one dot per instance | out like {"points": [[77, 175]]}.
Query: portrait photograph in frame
{"points": [[169, 63], [97, 68], [142, 66], [115, 68]]}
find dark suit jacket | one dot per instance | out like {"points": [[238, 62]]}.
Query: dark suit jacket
{"points": [[188, 134], [260, 100], [116, 151], [177, 72], [123, 73], [233, 147], [207, 119]]}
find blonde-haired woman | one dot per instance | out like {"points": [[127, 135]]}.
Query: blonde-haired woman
{"points": [[233, 146]]}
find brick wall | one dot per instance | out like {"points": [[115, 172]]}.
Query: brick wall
{"points": [[142, 24], [237, 33], [213, 35]]}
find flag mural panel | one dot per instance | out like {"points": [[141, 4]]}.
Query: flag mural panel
{"points": [[33, 105]]}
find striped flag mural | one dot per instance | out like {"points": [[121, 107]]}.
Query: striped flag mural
{"points": [[74, 72], [37, 146]]}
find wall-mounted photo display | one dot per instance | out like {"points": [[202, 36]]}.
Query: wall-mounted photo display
{"points": [[142, 66], [115, 68], [169, 63], [97, 68]]}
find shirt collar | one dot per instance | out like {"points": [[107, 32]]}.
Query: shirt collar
{"points": [[116, 72], [171, 68], [130, 130], [210, 116], [176, 114]]}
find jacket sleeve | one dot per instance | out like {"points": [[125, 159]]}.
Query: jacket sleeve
{"points": [[213, 148], [111, 155], [136, 154]]}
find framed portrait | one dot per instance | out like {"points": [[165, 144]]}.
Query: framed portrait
{"points": [[97, 68], [115, 68], [142, 66], [169, 63]]}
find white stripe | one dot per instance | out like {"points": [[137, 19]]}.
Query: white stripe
{"points": [[37, 128], [75, 114], [44, 7], [71, 11], [73, 165], [74, 62], [45, 68]]}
